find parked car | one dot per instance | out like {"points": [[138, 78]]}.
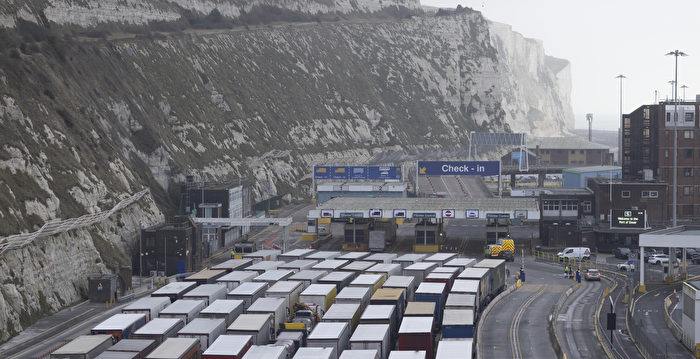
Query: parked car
{"points": [[627, 266], [660, 258], [689, 252], [507, 255], [622, 252], [575, 253], [648, 252], [696, 258], [591, 274]]}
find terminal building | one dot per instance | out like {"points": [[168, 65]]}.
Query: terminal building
{"points": [[364, 215]]}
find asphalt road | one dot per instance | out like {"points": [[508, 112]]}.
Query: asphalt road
{"points": [[516, 327], [575, 322], [51, 332], [453, 186], [648, 312]]}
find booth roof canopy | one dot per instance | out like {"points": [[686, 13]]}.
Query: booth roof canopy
{"points": [[678, 237], [432, 204]]}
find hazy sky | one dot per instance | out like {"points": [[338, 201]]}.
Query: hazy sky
{"points": [[605, 38]]}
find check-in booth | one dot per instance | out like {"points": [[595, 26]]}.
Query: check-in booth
{"points": [[691, 306]]}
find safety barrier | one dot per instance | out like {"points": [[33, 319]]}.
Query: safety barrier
{"points": [[635, 327], [603, 339], [673, 326], [552, 257], [551, 326], [53, 227], [485, 314]]}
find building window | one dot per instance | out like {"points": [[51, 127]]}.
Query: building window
{"points": [[650, 194], [687, 190], [550, 205], [688, 152], [646, 114], [625, 194], [645, 133], [667, 153], [581, 152], [587, 207], [688, 210], [689, 116], [573, 152], [569, 206], [689, 134], [688, 172], [665, 172]]}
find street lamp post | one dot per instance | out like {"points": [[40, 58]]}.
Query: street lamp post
{"points": [[622, 128], [673, 95], [140, 254], [684, 87], [675, 53]]}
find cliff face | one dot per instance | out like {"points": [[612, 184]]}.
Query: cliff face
{"points": [[539, 83], [86, 121]]}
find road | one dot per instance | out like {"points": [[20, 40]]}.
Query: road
{"points": [[648, 313], [575, 325], [50, 332], [516, 327], [457, 187]]}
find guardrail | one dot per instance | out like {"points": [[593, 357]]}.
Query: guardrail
{"points": [[53, 227], [486, 313], [675, 329], [607, 345], [552, 257], [551, 326], [639, 337]]}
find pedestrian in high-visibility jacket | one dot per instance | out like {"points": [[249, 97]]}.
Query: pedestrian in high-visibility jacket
{"points": [[233, 253]]}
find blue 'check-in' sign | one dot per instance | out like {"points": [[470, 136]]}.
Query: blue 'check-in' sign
{"points": [[463, 168]]}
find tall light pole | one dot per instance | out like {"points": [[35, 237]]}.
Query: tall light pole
{"points": [[140, 254], [673, 94], [619, 137], [675, 53], [684, 87]]}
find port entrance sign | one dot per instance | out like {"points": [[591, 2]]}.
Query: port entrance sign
{"points": [[459, 168]]}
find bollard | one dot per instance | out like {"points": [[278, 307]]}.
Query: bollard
{"points": [[106, 304]]}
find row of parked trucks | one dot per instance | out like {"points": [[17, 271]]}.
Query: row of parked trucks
{"points": [[341, 306]]}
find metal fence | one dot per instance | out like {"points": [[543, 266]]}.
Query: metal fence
{"points": [[648, 346], [59, 226]]}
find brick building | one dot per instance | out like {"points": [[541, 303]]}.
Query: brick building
{"points": [[650, 196], [648, 152]]}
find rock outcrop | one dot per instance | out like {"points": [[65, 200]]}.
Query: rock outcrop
{"points": [[87, 120]]}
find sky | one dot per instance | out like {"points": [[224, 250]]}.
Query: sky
{"points": [[603, 39]]}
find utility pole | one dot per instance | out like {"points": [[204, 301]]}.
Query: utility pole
{"points": [[675, 53], [684, 87], [140, 254], [622, 128]]}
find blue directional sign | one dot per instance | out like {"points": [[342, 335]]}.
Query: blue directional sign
{"points": [[357, 172], [322, 172], [463, 168], [384, 173], [339, 172]]}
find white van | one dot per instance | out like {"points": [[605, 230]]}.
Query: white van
{"points": [[575, 253]]}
